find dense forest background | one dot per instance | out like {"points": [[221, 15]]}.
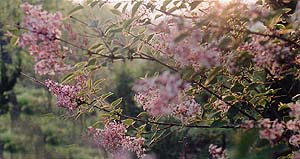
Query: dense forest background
{"points": [[33, 127]]}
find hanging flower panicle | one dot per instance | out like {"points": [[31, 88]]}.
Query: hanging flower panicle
{"points": [[41, 38], [113, 139], [271, 130], [217, 152], [165, 95], [66, 94]]}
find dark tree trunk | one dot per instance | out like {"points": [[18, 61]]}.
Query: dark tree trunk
{"points": [[1, 150], [49, 102], [16, 109], [39, 143]]}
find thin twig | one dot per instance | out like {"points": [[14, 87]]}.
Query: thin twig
{"points": [[33, 79], [163, 123], [171, 124]]}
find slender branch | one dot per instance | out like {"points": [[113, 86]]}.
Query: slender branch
{"points": [[158, 61], [220, 98], [171, 124], [101, 34], [273, 36], [33, 79], [198, 83], [163, 123]]}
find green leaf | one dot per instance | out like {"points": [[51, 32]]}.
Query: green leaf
{"points": [[92, 4], [135, 8], [280, 26], [173, 9], [116, 102], [96, 123], [226, 42], [95, 46], [104, 96], [252, 86], [157, 16], [142, 114], [232, 112], [187, 73], [124, 8], [116, 30], [117, 5], [215, 114], [141, 128], [92, 62], [194, 4], [181, 37], [212, 75], [89, 83], [154, 127], [229, 98], [128, 122], [218, 123], [96, 83], [127, 23], [165, 3], [116, 11], [101, 4], [80, 64], [296, 97], [13, 40], [276, 17], [79, 7], [237, 88], [283, 106], [150, 37], [68, 78]]}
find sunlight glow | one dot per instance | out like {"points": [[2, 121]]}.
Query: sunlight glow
{"points": [[221, 1], [78, 1], [244, 1]]}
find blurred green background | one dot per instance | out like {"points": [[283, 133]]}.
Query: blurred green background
{"points": [[33, 127]]}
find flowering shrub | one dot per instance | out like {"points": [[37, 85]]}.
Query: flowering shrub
{"points": [[43, 29], [271, 130], [231, 66], [217, 152], [66, 94], [164, 95], [114, 139]]}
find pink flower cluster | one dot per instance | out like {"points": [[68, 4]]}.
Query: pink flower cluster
{"points": [[248, 124], [268, 55], [295, 110], [295, 140], [43, 29], [254, 12], [164, 95], [66, 94], [113, 139], [271, 130], [296, 155], [186, 110], [221, 106], [189, 51], [217, 152], [77, 39], [81, 81], [294, 124], [296, 19]]}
